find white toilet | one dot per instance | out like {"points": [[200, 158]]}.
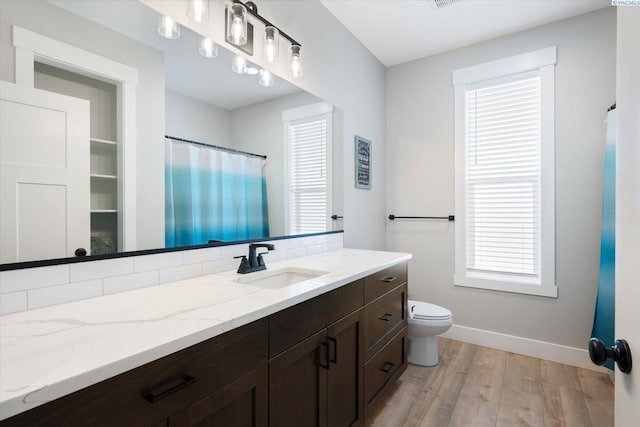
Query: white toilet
{"points": [[426, 321]]}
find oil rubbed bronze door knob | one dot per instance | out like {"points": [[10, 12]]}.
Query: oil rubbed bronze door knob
{"points": [[620, 353]]}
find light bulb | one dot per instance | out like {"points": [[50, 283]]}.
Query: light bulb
{"points": [[295, 61], [271, 40], [208, 48], [168, 27], [198, 10], [237, 24], [239, 64], [266, 78]]}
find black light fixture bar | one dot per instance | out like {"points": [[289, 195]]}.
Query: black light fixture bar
{"points": [[252, 8]]}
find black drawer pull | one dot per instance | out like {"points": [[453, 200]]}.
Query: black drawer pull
{"points": [[334, 359], [154, 395], [388, 279], [386, 317], [324, 345], [386, 367]]}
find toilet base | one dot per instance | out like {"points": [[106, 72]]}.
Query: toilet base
{"points": [[423, 350]]}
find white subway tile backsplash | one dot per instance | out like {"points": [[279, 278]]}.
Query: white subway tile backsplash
{"points": [[180, 273], [42, 286], [64, 293], [157, 261], [220, 265], [83, 271], [129, 282], [200, 255], [13, 302], [30, 278]]}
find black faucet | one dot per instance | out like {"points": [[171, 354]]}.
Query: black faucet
{"points": [[255, 261]]}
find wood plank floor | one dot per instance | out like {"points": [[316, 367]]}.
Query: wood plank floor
{"points": [[480, 386]]}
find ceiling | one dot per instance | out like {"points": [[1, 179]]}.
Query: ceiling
{"points": [[398, 31]]}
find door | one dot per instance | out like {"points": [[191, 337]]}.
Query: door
{"points": [[627, 386], [44, 174], [344, 384], [298, 384]]}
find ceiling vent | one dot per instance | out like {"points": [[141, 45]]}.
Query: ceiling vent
{"points": [[439, 4]]}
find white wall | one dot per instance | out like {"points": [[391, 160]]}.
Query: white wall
{"points": [[190, 118], [54, 22], [420, 161], [340, 70]]}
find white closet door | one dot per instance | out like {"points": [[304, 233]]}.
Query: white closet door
{"points": [[44, 174]]}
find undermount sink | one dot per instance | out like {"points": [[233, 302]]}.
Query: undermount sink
{"points": [[280, 278]]}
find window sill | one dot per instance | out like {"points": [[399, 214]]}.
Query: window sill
{"points": [[550, 291]]}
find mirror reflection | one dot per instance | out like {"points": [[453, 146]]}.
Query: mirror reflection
{"points": [[166, 148]]}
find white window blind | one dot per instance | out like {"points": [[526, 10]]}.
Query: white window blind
{"points": [[505, 174], [503, 138], [308, 174]]}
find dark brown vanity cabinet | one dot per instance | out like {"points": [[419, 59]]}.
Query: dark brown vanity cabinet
{"points": [[323, 362], [217, 380], [318, 381]]}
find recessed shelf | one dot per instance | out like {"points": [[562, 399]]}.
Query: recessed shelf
{"points": [[100, 176], [103, 141]]}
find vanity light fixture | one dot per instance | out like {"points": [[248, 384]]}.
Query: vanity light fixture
{"points": [[270, 44], [237, 24], [168, 27], [208, 48], [198, 10], [239, 34], [295, 61], [266, 78], [239, 64]]}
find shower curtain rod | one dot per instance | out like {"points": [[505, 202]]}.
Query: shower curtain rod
{"points": [[217, 147]]}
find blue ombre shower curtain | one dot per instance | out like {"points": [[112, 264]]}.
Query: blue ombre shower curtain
{"points": [[604, 319], [213, 194]]}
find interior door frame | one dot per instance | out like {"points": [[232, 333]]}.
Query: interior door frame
{"points": [[31, 47]]}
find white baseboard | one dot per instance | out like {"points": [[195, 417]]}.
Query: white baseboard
{"points": [[540, 349]]}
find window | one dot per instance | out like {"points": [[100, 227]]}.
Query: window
{"points": [[308, 133], [505, 213]]}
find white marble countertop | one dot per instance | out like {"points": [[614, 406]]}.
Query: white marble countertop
{"points": [[53, 351]]}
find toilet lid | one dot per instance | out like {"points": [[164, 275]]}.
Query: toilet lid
{"points": [[426, 311]]}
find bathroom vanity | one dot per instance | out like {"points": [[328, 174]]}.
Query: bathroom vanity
{"points": [[211, 350]]}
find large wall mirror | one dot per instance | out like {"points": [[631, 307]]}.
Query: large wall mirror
{"points": [[102, 90]]}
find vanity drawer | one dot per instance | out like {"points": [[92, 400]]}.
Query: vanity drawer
{"points": [[383, 281], [150, 393], [382, 317], [384, 367], [294, 324]]}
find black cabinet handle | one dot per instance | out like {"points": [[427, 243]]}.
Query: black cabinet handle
{"points": [[620, 353], [386, 317], [325, 345], [388, 279], [334, 359], [386, 367], [154, 395]]}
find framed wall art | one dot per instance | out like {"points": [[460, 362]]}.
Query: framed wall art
{"points": [[363, 163]]}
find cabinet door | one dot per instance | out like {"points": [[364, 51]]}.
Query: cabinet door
{"points": [[242, 403], [345, 380], [298, 384]]}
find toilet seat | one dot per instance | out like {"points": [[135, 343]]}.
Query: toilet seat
{"points": [[424, 311]]}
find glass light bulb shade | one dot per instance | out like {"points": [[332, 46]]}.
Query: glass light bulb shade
{"points": [[239, 64], [168, 27], [237, 24], [295, 61], [266, 78], [271, 43], [208, 48], [198, 10]]}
